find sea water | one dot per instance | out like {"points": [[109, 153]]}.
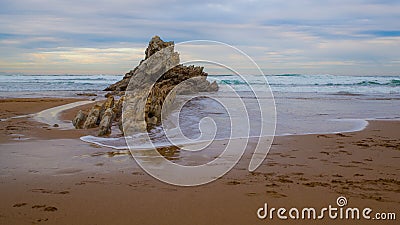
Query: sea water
{"points": [[18, 86], [305, 104]]}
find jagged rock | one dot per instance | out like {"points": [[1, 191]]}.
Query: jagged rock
{"points": [[172, 77], [106, 122], [155, 45], [79, 120], [109, 103], [134, 118], [213, 87], [119, 87], [92, 119], [187, 79], [117, 109]]}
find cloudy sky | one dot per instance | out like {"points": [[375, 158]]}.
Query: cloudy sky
{"points": [[109, 37]]}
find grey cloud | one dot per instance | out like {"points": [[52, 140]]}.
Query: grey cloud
{"points": [[260, 27]]}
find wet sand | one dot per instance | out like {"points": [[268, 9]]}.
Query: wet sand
{"points": [[23, 125], [49, 176]]}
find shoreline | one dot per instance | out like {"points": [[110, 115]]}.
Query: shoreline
{"points": [[22, 125], [62, 114], [56, 178], [51, 116], [68, 113]]}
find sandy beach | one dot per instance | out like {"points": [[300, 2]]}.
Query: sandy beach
{"points": [[49, 176], [199, 113]]}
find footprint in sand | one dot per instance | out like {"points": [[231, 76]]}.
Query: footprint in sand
{"points": [[347, 166], [337, 175], [348, 153], [303, 179], [45, 208], [68, 171], [275, 194], [20, 204], [298, 174], [50, 209], [272, 185], [38, 206], [270, 174], [366, 168], [40, 220], [233, 182], [362, 144], [283, 155], [316, 184], [256, 173], [44, 191], [322, 136], [301, 165], [250, 194], [284, 180], [342, 135], [357, 162]]}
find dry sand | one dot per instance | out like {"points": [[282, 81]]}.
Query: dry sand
{"points": [[49, 176]]}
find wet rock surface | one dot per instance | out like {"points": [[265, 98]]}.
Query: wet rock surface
{"points": [[191, 79]]}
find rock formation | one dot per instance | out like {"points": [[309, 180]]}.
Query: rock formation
{"points": [[79, 120], [103, 115], [106, 122], [92, 118]]}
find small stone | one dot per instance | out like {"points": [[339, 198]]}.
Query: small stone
{"points": [[86, 94]]}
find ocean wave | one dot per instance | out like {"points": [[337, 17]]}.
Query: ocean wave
{"points": [[222, 75], [72, 79], [55, 75], [119, 143], [347, 93], [393, 82], [288, 75], [232, 82], [280, 82], [46, 82]]}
